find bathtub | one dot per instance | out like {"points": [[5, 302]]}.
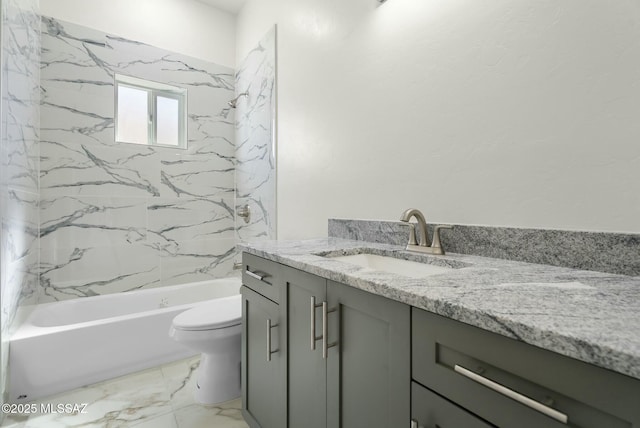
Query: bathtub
{"points": [[65, 345]]}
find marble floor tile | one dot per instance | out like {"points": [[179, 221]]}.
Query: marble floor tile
{"points": [[160, 397], [180, 381], [164, 421], [226, 415]]}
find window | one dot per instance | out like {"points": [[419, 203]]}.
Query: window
{"points": [[150, 113]]}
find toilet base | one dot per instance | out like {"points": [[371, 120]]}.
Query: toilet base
{"points": [[218, 378]]}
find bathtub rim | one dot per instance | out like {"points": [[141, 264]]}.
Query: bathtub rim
{"points": [[25, 330]]}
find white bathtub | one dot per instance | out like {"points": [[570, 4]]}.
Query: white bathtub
{"points": [[68, 344]]}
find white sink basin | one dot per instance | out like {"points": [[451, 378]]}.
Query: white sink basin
{"points": [[393, 265]]}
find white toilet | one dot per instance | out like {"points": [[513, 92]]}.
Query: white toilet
{"points": [[213, 328]]}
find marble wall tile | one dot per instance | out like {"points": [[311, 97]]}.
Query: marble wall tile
{"points": [[19, 114], [196, 176], [190, 219], [198, 260], [78, 169], [20, 94], [71, 272], [119, 216], [90, 221], [19, 248], [256, 140]]}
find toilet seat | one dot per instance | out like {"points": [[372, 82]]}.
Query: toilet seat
{"points": [[213, 315]]}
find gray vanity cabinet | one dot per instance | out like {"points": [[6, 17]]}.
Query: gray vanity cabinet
{"points": [[368, 370], [511, 384], [264, 369], [307, 372], [348, 355], [429, 410]]}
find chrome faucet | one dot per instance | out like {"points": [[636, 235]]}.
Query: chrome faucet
{"points": [[422, 246]]}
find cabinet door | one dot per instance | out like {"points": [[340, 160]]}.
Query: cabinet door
{"points": [[368, 370], [430, 410], [264, 368], [307, 368]]}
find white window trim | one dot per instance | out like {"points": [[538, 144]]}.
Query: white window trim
{"points": [[154, 89]]}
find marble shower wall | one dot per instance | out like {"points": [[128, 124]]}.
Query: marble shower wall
{"points": [[116, 216], [19, 112], [256, 141]]}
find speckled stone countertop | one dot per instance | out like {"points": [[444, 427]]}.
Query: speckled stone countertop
{"points": [[591, 316]]}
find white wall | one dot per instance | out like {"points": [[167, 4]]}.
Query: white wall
{"points": [[494, 112], [184, 26]]}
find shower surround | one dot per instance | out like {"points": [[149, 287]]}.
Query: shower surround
{"points": [[114, 216], [255, 141], [19, 170], [83, 215]]}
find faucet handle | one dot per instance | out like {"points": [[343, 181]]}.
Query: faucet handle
{"points": [[412, 234], [436, 236]]}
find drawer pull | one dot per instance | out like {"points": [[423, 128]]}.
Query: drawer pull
{"points": [[313, 307], [548, 411], [255, 275], [325, 330], [269, 327]]}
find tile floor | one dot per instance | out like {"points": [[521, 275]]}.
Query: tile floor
{"points": [[160, 397]]}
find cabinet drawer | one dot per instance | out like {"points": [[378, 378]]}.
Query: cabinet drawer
{"points": [[430, 410], [261, 275], [512, 384]]}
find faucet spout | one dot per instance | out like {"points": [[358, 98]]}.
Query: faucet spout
{"points": [[423, 247], [422, 226]]}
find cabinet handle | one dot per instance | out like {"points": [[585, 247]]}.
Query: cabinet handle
{"points": [[313, 307], [414, 423], [269, 327], [325, 327], [255, 275], [546, 410]]}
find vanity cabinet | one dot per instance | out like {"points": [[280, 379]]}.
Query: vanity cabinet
{"points": [[510, 384], [320, 354], [264, 369], [348, 355], [432, 410]]}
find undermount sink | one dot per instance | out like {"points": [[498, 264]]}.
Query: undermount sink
{"points": [[393, 265]]}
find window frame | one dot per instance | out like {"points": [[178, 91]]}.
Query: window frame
{"points": [[153, 90]]}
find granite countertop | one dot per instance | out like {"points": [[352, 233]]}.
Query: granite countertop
{"points": [[591, 316]]}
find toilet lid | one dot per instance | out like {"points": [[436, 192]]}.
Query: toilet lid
{"points": [[214, 314]]}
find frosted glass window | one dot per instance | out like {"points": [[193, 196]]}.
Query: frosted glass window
{"points": [[168, 125], [150, 113], [133, 115]]}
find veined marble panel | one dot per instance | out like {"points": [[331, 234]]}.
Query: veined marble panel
{"points": [[83, 112], [20, 94], [196, 176], [72, 272], [256, 139], [19, 251], [198, 260], [79, 169], [175, 220], [19, 98], [119, 216], [89, 221]]}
